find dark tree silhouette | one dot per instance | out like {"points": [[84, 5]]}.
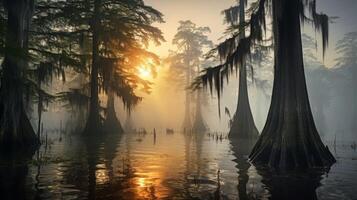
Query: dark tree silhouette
{"points": [[289, 139], [243, 126], [101, 35], [15, 127]]}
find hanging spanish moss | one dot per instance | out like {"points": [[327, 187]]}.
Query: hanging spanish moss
{"points": [[289, 139]]}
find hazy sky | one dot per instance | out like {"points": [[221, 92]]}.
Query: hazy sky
{"points": [[201, 12], [208, 13]]}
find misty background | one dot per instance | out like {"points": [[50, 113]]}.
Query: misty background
{"points": [[331, 85]]}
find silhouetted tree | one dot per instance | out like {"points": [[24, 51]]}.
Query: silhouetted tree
{"points": [[111, 28], [15, 127], [190, 41], [243, 126], [289, 139]]}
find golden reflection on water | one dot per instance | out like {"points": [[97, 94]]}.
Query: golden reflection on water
{"points": [[152, 164], [171, 167], [101, 174]]}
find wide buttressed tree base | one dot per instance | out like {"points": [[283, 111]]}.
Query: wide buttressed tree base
{"points": [[111, 123], [243, 126], [289, 139], [199, 125]]}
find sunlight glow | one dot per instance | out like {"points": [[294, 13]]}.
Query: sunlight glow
{"points": [[144, 73]]}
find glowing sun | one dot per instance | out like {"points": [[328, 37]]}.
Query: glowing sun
{"points": [[144, 73]]}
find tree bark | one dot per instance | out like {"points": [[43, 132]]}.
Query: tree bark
{"points": [[112, 123], [199, 125], [94, 121], [289, 139], [39, 113], [243, 126], [187, 118], [16, 130], [129, 126]]}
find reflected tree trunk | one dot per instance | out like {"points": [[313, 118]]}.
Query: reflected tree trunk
{"points": [[292, 186], [13, 176], [289, 139], [241, 150]]}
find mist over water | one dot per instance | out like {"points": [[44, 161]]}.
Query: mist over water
{"points": [[172, 166], [172, 131]]}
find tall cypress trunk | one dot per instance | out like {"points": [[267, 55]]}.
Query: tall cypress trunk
{"points": [[39, 109], [15, 128], [243, 126], [187, 118], [112, 123], [199, 124], [289, 139], [129, 126], [94, 121], [354, 96]]}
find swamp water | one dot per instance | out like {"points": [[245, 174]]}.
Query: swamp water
{"points": [[168, 166]]}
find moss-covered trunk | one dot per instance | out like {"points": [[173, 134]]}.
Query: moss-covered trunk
{"points": [[243, 126], [289, 139], [16, 130], [94, 121]]}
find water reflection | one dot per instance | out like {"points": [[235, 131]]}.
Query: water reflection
{"points": [[13, 176], [241, 150], [292, 186], [295, 186], [177, 166]]}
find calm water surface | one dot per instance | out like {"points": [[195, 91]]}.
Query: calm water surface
{"points": [[175, 166]]}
